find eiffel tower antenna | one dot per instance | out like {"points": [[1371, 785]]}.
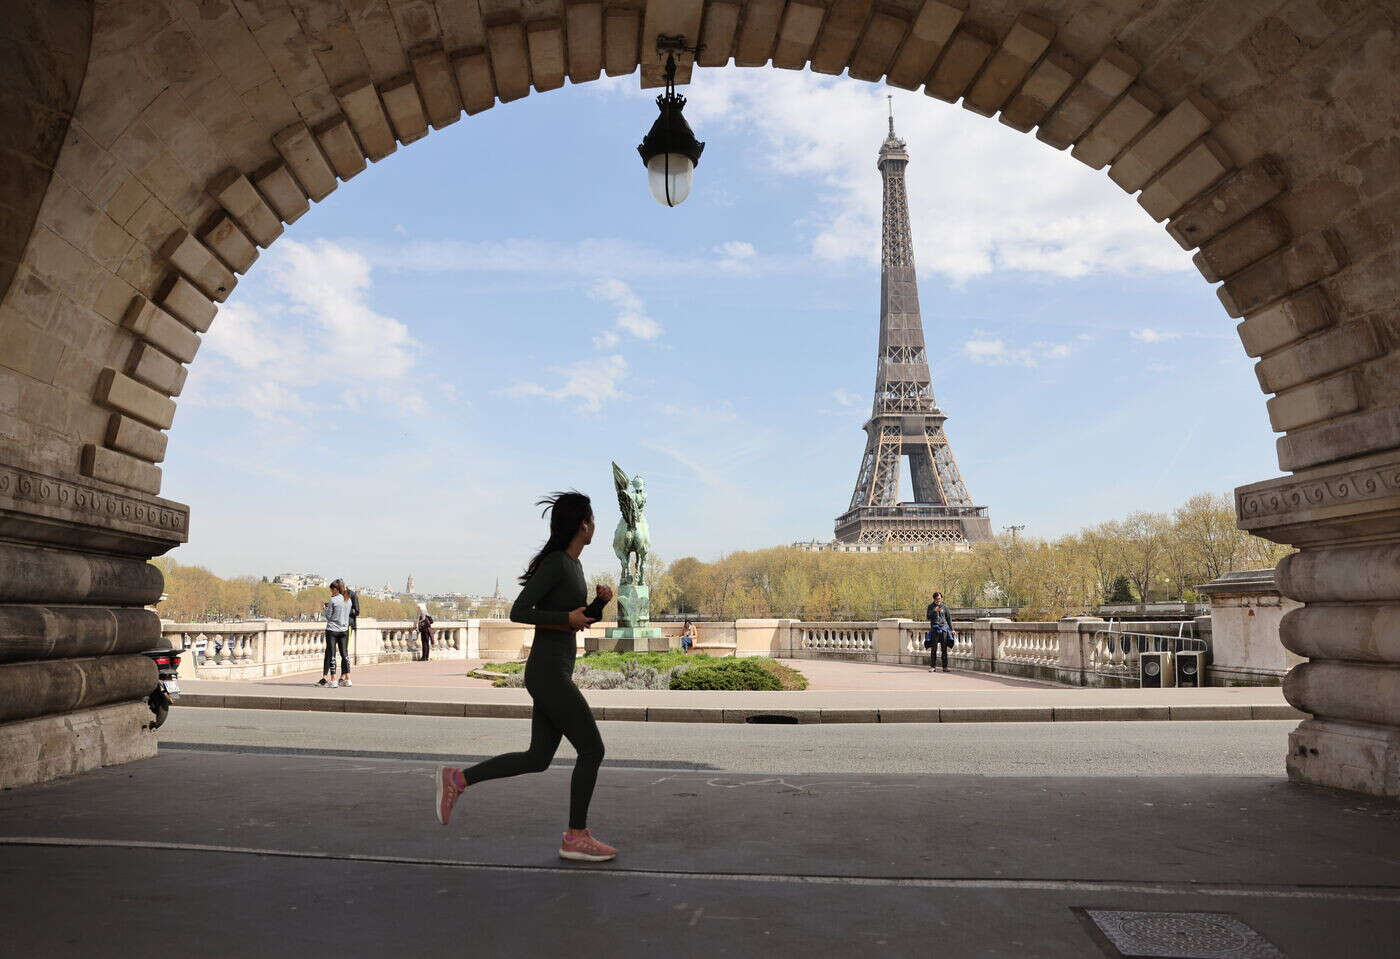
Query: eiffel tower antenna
{"points": [[890, 97], [905, 420]]}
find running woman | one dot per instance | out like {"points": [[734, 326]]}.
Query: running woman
{"points": [[552, 599]]}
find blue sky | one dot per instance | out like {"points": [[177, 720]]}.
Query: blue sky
{"points": [[501, 309]]}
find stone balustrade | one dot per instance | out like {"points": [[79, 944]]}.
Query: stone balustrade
{"points": [[267, 647], [1083, 651], [841, 640]]}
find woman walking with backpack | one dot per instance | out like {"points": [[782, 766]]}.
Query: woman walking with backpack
{"points": [[552, 599], [940, 632]]}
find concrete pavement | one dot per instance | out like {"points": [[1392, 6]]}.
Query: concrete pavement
{"points": [[841, 693], [273, 855], [997, 749]]}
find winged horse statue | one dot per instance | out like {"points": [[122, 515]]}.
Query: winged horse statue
{"points": [[632, 535]]}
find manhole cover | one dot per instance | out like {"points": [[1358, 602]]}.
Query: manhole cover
{"points": [[1181, 935]]}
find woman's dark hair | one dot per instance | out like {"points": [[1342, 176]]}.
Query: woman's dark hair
{"points": [[566, 512]]}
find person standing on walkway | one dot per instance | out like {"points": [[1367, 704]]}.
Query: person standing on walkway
{"points": [[337, 628], [353, 598], [425, 629], [940, 632], [552, 600]]}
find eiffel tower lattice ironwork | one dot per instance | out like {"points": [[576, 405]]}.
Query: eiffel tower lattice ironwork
{"points": [[905, 420]]}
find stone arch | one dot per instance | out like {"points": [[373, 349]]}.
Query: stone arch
{"points": [[1263, 136]]}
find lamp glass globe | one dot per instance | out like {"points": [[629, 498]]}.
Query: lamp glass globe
{"points": [[669, 176]]}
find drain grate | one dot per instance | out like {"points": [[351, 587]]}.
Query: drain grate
{"points": [[1180, 935]]}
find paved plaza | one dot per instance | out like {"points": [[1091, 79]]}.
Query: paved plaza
{"points": [[840, 692]]}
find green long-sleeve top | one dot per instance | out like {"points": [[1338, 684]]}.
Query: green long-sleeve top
{"points": [[557, 588]]}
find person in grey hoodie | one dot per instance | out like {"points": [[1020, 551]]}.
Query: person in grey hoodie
{"points": [[337, 631]]}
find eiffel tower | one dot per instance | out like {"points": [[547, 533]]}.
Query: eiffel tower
{"points": [[906, 420]]}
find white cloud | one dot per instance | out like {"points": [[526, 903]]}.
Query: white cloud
{"points": [[278, 354], [982, 197], [1148, 335], [632, 317], [591, 382], [845, 397], [984, 349], [737, 256], [996, 352]]}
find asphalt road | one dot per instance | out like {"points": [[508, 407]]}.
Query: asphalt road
{"points": [[994, 749]]}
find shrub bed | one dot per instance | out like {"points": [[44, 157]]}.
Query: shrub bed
{"points": [[668, 670], [726, 674]]}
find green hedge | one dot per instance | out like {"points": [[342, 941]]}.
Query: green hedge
{"points": [[726, 674]]}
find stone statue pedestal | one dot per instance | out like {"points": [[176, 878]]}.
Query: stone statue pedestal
{"points": [[633, 632]]}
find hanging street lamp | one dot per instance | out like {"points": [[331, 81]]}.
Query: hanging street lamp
{"points": [[670, 151]]}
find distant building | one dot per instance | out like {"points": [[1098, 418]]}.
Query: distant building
{"points": [[296, 582], [408, 587]]}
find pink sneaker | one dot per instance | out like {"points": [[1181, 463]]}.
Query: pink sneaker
{"points": [[448, 792], [584, 848]]}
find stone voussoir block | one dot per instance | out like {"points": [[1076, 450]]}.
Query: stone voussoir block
{"points": [[932, 27], [190, 306], [1103, 84], [1302, 263], [962, 58], [1238, 246], [717, 30], [757, 30], [119, 469], [797, 33], [439, 90], [876, 49], [405, 109], [243, 202], [157, 370], [341, 148], [1337, 349], [1314, 402], [1028, 38], [1196, 170], [283, 193], [1286, 321], [1239, 194], [544, 39], [160, 329], [308, 164], [360, 103], [1357, 434], [1164, 140], [584, 29], [1117, 128], [198, 265], [474, 80], [126, 435], [510, 60], [621, 36], [1046, 84], [120, 392], [230, 245]]}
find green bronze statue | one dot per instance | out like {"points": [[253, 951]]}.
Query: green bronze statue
{"points": [[632, 536]]}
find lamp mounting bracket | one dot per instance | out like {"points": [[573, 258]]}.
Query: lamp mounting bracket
{"points": [[671, 44]]}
